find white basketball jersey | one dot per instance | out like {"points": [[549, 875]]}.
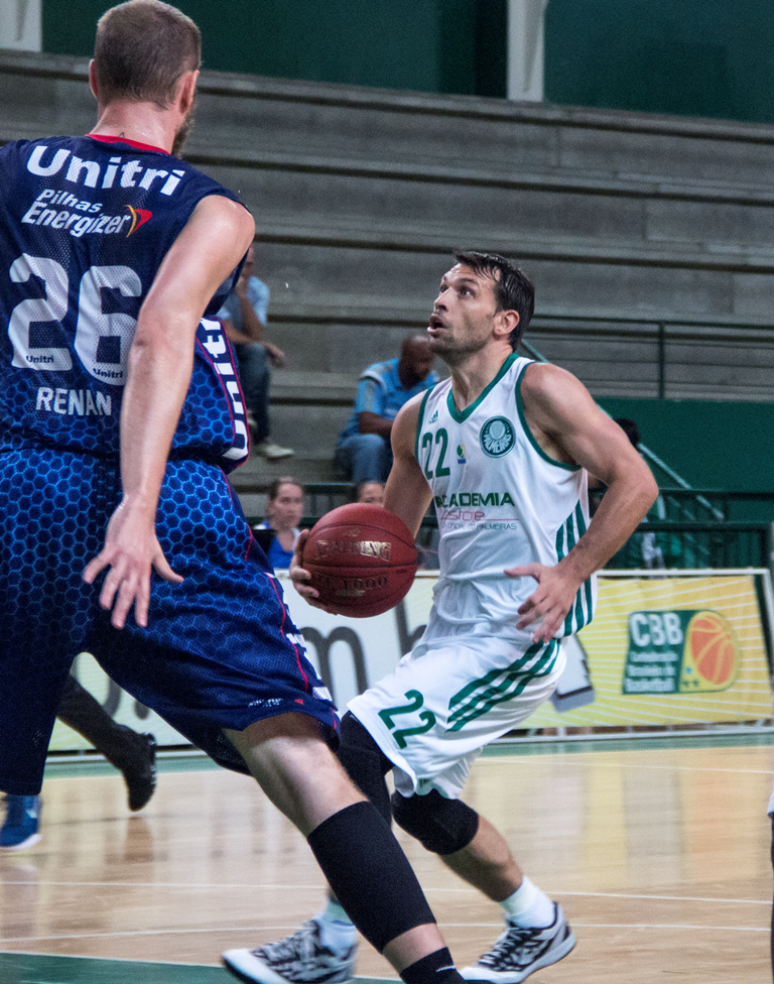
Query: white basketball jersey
{"points": [[501, 502]]}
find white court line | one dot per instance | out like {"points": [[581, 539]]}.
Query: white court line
{"points": [[147, 932], [187, 885], [576, 924], [717, 929], [662, 898], [523, 760], [283, 929], [447, 891]]}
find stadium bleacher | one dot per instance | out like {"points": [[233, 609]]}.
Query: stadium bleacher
{"points": [[644, 234]]}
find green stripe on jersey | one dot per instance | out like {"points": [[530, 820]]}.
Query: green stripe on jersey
{"points": [[568, 534], [480, 696], [421, 419], [586, 586], [570, 526]]}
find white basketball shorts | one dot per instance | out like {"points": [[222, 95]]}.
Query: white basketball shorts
{"points": [[460, 688]]}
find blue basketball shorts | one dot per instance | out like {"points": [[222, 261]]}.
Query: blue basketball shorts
{"points": [[220, 650]]}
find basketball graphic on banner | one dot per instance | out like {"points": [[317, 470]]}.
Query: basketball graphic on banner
{"points": [[712, 648]]}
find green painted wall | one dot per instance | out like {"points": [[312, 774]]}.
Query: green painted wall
{"points": [[454, 46], [727, 446], [694, 57]]}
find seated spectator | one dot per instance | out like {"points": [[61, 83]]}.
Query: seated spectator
{"points": [[284, 510], [642, 549], [363, 449], [368, 491], [244, 318]]}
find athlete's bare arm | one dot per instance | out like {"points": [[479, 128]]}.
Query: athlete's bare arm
{"points": [[160, 365], [406, 494], [570, 427]]}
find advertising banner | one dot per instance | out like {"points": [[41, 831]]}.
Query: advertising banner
{"points": [[671, 650], [660, 651]]}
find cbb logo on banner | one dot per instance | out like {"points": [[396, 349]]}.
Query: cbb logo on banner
{"points": [[680, 652]]}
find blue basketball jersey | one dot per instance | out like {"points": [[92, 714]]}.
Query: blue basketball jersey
{"points": [[85, 223]]}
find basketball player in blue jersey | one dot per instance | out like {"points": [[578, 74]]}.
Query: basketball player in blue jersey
{"points": [[120, 411], [503, 449]]}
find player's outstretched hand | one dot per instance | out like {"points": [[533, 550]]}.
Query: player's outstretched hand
{"points": [[553, 598], [131, 550], [300, 577]]}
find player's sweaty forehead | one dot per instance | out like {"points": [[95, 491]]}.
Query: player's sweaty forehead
{"points": [[461, 275]]}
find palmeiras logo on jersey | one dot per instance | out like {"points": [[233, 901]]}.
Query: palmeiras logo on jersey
{"points": [[497, 437]]}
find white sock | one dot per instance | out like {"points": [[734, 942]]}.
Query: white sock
{"points": [[337, 932], [528, 907]]}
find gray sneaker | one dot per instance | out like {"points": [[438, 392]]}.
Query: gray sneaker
{"points": [[519, 952], [298, 959]]}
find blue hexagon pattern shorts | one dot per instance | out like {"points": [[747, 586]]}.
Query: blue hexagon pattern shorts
{"points": [[220, 650]]}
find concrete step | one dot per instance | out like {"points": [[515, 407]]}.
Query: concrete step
{"points": [[360, 194], [252, 481]]}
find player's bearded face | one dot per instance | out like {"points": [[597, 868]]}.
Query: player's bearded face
{"points": [[185, 128], [463, 341], [462, 316]]}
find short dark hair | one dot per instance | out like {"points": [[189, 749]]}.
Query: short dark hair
{"points": [[277, 484], [142, 49], [630, 428], [513, 291]]}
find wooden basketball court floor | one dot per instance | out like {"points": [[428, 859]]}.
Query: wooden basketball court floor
{"points": [[658, 851]]}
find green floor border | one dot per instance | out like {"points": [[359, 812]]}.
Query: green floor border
{"points": [[90, 764], [26, 968], [32, 968], [630, 743]]}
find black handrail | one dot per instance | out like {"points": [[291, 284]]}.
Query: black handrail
{"points": [[687, 545]]}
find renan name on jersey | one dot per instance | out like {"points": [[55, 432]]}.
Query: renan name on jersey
{"points": [[74, 402]]}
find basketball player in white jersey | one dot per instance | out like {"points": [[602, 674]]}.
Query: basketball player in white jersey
{"points": [[503, 448]]}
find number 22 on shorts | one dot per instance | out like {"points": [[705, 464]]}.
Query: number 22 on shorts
{"points": [[416, 700]]}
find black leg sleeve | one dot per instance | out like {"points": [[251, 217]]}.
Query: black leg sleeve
{"points": [[369, 874], [366, 764]]}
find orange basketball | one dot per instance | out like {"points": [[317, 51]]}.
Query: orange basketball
{"points": [[362, 560], [713, 649]]}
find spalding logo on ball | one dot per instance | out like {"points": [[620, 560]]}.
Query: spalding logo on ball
{"points": [[362, 559]]}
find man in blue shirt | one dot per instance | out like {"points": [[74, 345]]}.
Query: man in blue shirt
{"points": [[363, 449], [244, 315]]}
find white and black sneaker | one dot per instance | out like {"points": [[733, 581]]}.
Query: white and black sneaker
{"points": [[519, 952], [298, 959]]}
